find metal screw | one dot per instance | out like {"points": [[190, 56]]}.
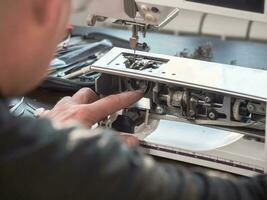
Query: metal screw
{"points": [[192, 113], [212, 115], [251, 107], [159, 110], [207, 99]]}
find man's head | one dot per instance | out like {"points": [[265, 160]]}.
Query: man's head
{"points": [[29, 33]]}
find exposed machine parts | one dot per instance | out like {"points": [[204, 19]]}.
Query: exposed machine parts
{"points": [[186, 90], [212, 100], [142, 62], [198, 106]]}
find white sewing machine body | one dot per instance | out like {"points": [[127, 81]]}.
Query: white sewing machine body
{"points": [[230, 8], [147, 13], [196, 97], [154, 12]]}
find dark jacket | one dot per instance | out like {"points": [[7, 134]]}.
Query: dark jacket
{"points": [[38, 162]]}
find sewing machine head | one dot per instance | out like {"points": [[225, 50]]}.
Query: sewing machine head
{"points": [[131, 12], [142, 16]]}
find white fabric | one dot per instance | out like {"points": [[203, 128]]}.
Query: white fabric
{"points": [[191, 137]]}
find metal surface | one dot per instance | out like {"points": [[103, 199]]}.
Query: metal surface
{"points": [[227, 79]]}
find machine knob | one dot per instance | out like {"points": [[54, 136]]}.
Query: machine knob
{"points": [[144, 8], [150, 18]]}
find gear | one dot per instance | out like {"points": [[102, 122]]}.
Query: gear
{"points": [[236, 109]]}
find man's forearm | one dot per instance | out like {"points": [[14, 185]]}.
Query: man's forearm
{"points": [[39, 162]]}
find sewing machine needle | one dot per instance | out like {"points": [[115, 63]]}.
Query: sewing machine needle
{"points": [[134, 54]]}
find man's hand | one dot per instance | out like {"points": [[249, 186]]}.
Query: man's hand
{"points": [[85, 108]]}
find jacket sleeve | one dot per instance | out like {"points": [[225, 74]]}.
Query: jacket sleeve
{"points": [[40, 162]]}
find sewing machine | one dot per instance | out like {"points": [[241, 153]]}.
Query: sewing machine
{"points": [[144, 15], [204, 113]]}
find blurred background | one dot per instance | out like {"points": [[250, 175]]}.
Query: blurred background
{"points": [[196, 23]]}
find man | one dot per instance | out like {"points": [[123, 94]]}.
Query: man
{"points": [[58, 157]]}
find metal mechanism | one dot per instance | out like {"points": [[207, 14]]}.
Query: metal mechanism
{"points": [[196, 92]]}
